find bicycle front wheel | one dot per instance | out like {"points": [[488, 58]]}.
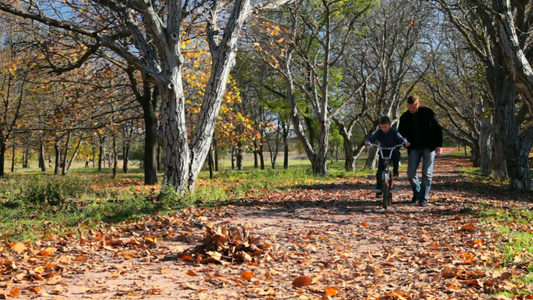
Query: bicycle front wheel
{"points": [[385, 189]]}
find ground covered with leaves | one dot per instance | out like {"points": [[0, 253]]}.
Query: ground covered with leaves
{"points": [[313, 241]]}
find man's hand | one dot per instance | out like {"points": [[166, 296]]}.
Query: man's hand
{"points": [[438, 151], [406, 144], [367, 143]]}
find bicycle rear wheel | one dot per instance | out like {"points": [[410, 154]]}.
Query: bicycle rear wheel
{"points": [[385, 189]]}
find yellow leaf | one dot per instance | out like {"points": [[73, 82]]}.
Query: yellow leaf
{"points": [[18, 248]]}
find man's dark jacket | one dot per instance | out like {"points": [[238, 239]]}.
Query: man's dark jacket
{"points": [[429, 130]]}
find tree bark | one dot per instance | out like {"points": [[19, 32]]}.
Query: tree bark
{"points": [[3, 149], [42, 161], [505, 119], [115, 157], [150, 144], [57, 153], [13, 158], [485, 145], [125, 155], [239, 156], [513, 55], [210, 163], [216, 154]]}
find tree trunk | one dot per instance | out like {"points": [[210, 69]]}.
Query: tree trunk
{"points": [[261, 157], [64, 158], [76, 151], [216, 154], [125, 155], [256, 155], [285, 136], [239, 156], [93, 148], [14, 147], [210, 163], [505, 118], [485, 145], [320, 161], [57, 152], [3, 149], [25, 157], [232, 158], [42, 160], [372, 158], [100, 156], [151, 147], [514, 57], [115, 157]]}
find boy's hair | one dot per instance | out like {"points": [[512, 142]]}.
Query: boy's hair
{"points": [[412, 99], [384, 120]]}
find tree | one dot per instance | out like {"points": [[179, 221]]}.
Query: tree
{"points": [[513, 129], [304, 46], [156, 29], [457, 85]]}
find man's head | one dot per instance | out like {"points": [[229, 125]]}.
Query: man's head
{"points": [[413, 103], [384, 124]]}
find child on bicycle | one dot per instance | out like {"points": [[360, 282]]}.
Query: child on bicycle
{"points": [[387, 137]]}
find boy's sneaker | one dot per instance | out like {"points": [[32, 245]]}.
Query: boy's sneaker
{"points": [[414, 199], [395, 173], [379, 195]]}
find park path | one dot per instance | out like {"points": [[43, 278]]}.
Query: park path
{"points": [[307, 242]]}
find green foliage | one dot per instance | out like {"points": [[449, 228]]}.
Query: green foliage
{"points": [[512, 226]]}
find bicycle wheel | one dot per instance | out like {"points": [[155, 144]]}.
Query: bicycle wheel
{"points": [[385, 189]]}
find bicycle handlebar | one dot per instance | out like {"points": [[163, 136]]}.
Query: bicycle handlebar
{"points": [[386, 148]]}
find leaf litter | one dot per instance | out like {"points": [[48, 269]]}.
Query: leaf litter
{"points": [[335, 242]]}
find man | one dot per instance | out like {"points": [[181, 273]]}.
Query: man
{"points": [[421, 128]]}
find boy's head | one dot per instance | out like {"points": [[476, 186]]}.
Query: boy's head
{"points": [[413, 103], [384, 124]]}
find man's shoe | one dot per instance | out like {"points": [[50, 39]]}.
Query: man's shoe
{"points": [[379, 195], [422, 203], [414, 199], [395, 173]]}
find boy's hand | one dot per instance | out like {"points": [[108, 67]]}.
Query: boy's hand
{"points": [[406, 144], [367, 143]]}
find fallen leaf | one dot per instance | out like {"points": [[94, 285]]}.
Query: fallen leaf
{"points": [[128, 255], [467, 228], [301, 281], [15, 292], [18, 248], [365, 224], [331, 291], [247, 275], [192, 273]]}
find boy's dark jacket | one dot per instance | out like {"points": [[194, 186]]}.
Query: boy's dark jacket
{"points": [[428, 126]]}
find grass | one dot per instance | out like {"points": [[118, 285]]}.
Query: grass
{"points": [[33, 203], [513, 225]]}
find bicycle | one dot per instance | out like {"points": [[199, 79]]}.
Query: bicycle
{"points": [[387, 181]]}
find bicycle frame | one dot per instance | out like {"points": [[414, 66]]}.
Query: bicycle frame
{"points": [[387, 182]]}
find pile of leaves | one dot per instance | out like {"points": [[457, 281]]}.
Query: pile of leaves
{"points": [[221, 244]]}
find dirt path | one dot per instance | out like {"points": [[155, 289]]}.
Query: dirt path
{"points": [[336, 235]]}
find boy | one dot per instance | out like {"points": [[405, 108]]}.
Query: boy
{"points": [[387, 137]]}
